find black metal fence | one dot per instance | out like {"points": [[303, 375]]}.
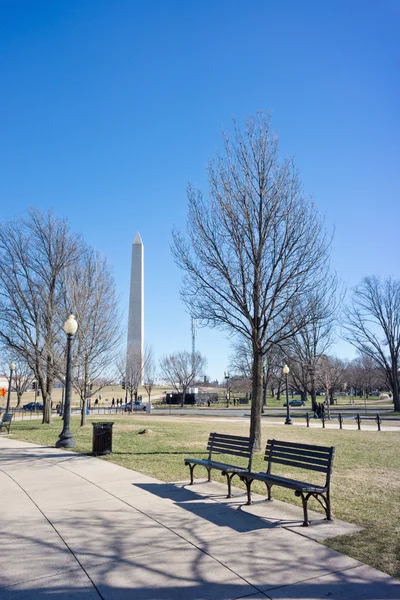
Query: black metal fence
{"points": [[343, 419]]}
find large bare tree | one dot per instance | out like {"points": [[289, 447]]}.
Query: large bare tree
{"points": [[91, 297], [372, 325], [253, 249], [35, 251], [181, 369]]}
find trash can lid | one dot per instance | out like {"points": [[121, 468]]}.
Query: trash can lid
{"points": [[103, 424]]}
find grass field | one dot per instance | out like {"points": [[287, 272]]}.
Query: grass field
{"points": [[366, 474]]}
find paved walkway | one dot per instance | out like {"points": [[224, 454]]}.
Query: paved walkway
{"points": [[81, 527]]}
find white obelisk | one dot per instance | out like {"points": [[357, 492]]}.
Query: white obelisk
{"points": [[136, 300]]}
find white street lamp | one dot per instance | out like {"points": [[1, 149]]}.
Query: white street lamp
{"points": [[285, 371], [12, 368], [65, 439]]}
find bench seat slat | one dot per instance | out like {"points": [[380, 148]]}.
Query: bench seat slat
{"points": [[293, 484], [215, 464]]}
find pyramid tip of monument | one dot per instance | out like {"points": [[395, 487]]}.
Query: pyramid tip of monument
{"points": [[138, 239]]}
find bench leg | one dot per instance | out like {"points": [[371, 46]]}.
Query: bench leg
{"points": [[247, 483], [268, 490], [191, 467], [304, 500], [209, 474], [229, 482], [328, 506]]}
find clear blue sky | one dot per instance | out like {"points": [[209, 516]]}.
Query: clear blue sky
{"points": [[108, 109]]}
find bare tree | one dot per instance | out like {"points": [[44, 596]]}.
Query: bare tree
{"points": [[372, 325], [91, 297], [364, 375], [253, 250], [331, 374], [313, 339], [149, 373], [133, 365], [180, 369], [239, 386], [241, 364], [34, 253], [22, 376]]}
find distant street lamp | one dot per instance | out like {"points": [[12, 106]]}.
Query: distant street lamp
{"points": [[12, 368], [65, 438], [227, 387], [285, 371], [89, 393]]}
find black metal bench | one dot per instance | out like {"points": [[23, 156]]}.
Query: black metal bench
{"points": [[296, 456], [230, 445], [6, 421]]}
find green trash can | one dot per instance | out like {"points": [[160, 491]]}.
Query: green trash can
{"points": [[102, 438]]}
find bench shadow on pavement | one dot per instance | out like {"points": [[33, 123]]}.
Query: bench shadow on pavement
{"points": [[215, 512]]}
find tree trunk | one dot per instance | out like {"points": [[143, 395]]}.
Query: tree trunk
{"points": [[331, 402], [265, 386], [47, 409], [256, 404], [395, 387], [303, 395], [313, 394], [19, 396], [49, 389], [83, 412]]}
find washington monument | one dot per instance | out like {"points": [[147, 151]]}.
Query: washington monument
{"points": [[136, 300]]}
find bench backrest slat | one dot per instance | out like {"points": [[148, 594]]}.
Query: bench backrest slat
{"points": [[307, 459], [300, 465], [227, 437], [231, 451], [299, 446], [231, 445], [303, 456], [239, 446]]}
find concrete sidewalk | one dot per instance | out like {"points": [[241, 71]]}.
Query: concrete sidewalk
{"points": [[77, 526]]}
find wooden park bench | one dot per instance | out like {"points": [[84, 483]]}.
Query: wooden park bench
{"points": [[6, 421], [297, 457], [222, 446]]}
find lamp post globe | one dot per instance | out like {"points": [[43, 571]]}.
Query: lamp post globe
{"points": [[285, 371], [12, 368], [70, 325], [65, 439]]}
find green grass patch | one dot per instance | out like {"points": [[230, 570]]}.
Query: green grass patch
{"points": [[365, 482]]}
